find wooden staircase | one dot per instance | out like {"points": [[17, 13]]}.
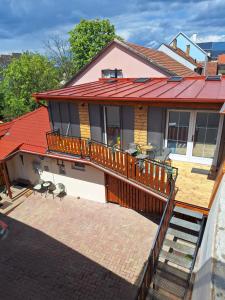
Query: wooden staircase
{"points": [[177, 256]]}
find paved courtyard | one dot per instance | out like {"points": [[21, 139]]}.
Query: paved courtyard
{"points": [[73, 249]]}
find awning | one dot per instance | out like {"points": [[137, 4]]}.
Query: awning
{"points": [[7, 147]]}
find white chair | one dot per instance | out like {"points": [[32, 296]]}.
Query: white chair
{"points": [[38, 187], [59, 190]]}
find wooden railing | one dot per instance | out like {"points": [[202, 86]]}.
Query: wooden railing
{"points": [[151, 263], [149, 173], [219, 177]]}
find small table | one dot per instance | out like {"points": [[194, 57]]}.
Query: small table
{"points": [[46, 184]]}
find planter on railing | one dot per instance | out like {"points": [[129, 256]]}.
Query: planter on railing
{"points": [[149, 173]]}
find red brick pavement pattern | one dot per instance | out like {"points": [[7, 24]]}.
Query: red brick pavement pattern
{"points": [[73, 249]]}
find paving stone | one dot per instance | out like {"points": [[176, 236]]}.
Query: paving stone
{"points": [[73, 249]]}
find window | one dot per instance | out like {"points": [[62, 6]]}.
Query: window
{"points": [[107, 73], [78, 166]]}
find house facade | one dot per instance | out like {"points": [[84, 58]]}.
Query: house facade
{"points": [[127, 60]]}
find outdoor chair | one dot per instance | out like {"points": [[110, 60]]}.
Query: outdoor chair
{"points": [[39, 186], [164, 156], [59, 190]]}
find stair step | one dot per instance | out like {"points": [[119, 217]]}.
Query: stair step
{"points": [[169, 286], [172, 278], [178, 259], [156, 295], [179, 275], [179, 247], [188, 212], [183, 235], [185, 224]]}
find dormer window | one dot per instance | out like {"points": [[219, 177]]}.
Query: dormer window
{"points": [[108, 73]]}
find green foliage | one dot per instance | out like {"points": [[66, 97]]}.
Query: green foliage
{"points": [[25, 75], [88, 38]]}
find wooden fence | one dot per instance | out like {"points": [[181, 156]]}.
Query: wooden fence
{"points": [[126, 195], [149, 173]]}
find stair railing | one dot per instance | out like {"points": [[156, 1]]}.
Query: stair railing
{"points": [[151, 263]]}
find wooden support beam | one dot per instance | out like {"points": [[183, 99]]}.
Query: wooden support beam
{"points": [[6, 179]]}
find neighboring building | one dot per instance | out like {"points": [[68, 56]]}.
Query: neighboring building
{"points": [[187, 45], [122, 59], [5, 59], [182, 57], [213, 49]]}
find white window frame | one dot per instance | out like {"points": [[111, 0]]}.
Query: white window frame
{"points": [[192, 123]]}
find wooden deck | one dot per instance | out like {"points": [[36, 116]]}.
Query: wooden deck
{"points": [[193, 184]]}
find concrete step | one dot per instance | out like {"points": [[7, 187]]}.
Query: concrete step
{"points": [[169, 286], [188, 212], [157, 295], [185, 249], [182, 235], [185, 224], [178, 274], [178, 259]]}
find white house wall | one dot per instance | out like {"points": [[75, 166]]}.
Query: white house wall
{"points": [[88, 184], [116, 57], [177, 57]]}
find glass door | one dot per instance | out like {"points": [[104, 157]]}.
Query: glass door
{"points": [[205, 135], [112, 125], [193, 135], [178, 132]]}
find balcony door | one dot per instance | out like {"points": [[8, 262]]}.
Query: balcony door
{"points": [[112, 126], [193, 135]]}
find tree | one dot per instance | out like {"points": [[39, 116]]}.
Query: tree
{"points": [[59, 52], [88, 38], [28, 74]]}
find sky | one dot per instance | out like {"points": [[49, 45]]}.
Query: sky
{"points": [[27, 24]]}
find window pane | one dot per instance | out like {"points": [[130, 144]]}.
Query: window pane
{"points": [[205, 135], [178, 131], [113, 125]]}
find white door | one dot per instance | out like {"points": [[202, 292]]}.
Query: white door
{"points": [[193, 135]]}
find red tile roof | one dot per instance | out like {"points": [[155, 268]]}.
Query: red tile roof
{"points": [[7, 147], [26, 133], [180, 52], [190, 89], [164, 60]]}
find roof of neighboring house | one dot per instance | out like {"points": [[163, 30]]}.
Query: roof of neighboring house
{"points": [[180, 52], [189, 89], [26, 133], [164, 60], [158, 59], [190, 40]]}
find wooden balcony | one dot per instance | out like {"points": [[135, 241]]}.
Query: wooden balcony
{"points": [[147, 173]]}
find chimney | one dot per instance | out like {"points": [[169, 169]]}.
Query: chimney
{"points": [[175, 43], [188, 50]]}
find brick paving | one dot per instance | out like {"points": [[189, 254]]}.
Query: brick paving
{"points": [[73, 249]]}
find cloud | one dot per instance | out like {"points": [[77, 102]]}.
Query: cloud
{"points": [[24, 24]]}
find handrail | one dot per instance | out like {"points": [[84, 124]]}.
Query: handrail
{"points": [[156, 247], [148, 173], [219, 177]]}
